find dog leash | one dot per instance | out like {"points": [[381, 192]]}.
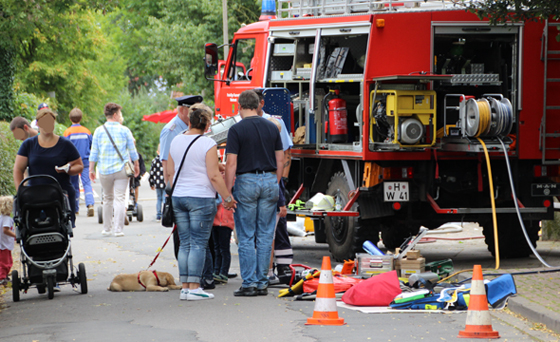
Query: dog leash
{"points": [[162, 247]]}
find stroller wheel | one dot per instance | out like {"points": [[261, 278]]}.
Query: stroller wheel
{"points": [[100, 215], [15, 286], [50, 287], [41, 289], [82, 277], [139, 213]]}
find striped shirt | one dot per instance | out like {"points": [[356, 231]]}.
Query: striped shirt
{"points": [[103, 152], [81, 138]]}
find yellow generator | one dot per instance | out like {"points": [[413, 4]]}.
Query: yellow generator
{"points": [[406, 118]]}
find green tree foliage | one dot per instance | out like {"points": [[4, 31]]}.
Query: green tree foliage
{"points": [[8, 150], [176, 40], [503, 11], [127, 26], [7, 70], [59, 49]]}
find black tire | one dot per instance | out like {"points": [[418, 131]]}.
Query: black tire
{"points": [[41, 288], [100, 215], [15, 286], [83, 278], [50, 287], [139, 213], [345, 235], [512, 242], [394, 235]]}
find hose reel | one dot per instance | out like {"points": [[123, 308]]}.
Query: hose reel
{"points": [[489, 117]]}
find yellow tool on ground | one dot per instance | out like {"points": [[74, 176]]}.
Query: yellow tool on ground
{"points": [[298, 287]]}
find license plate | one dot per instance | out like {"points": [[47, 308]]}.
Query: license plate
{"points": [[395, 192], [550, 189]]}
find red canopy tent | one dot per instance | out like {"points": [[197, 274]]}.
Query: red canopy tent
{"points": [[164, 116]]}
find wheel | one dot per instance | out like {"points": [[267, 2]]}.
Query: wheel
{"points": [[394, 235], [41, 289], [50, 287], [15, 286], [83, 278], [345, 235], [100, 215], [512, 242], [139, 213]]}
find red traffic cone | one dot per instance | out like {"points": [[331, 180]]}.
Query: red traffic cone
{"points": [[479, 322], [325, 312]]}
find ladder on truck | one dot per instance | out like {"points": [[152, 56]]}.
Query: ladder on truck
{"points": [[318, 8], [549, 57]]}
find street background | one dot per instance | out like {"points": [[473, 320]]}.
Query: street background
{"points": [[154, 316]]}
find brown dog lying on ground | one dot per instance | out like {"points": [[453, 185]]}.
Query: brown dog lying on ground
{"points": [[144, 281]]}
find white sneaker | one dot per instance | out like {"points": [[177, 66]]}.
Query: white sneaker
{"points": [[106, 232], [198, 294], [119, 234], [184, 294]]}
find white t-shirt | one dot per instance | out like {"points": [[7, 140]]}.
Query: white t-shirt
{"points": [[6, 242], [193, 180]]}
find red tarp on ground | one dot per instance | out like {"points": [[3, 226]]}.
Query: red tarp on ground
{"points": [[341, 283], [163, 117]]}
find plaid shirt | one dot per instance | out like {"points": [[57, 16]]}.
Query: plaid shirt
{"points": [[103, 152]]}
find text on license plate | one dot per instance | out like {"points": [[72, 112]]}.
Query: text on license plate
{"points": [[395, 192]]}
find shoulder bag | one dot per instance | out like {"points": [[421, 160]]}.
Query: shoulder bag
{"points": [[167, 216], [128, 166]]}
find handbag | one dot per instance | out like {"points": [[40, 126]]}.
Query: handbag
{"points": [[128, 166], [167, 216]]}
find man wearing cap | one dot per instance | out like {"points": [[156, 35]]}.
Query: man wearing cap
{"points": [[108, 141], [178, 124], [255, 160]]}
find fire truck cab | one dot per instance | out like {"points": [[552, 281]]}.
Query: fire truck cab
{"points": [[398, 103]]}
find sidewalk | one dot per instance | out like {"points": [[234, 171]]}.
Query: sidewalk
{"points": [[538, 294]]}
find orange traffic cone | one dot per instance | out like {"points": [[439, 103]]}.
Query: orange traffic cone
{"points": [[479, 322], [325, 312]]}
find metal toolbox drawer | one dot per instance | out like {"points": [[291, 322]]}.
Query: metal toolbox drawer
{"points": [[281, 75], [284, 49]]}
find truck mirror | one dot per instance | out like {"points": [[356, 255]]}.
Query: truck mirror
{"points": [[210, 60]]}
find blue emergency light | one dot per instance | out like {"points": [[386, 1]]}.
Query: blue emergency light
{"points": [[268, 10]]}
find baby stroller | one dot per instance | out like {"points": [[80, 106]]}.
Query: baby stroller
{"points": [[43, 231], [133, 208]]}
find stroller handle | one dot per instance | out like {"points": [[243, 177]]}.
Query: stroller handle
{"points": [[41, 176]]}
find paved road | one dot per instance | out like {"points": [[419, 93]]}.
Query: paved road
{"points": [[103, 315]]}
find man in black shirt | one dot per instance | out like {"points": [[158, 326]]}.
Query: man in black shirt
{"points": [[255, 160]]}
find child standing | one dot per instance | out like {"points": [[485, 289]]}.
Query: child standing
{"points": [[221, 233], [157, 183], [7, 237], [81, 138]]}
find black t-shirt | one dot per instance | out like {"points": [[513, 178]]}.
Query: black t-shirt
{"points": [[41, 161], [254, 140]]}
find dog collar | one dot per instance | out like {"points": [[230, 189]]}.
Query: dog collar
{"points": [[155, 274], [139, 282], [157, 278]]}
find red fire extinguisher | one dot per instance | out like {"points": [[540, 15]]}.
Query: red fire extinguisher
{"points": [[336, 127]]}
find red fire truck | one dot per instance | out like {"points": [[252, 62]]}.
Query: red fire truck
{"points": [[397, 103]]}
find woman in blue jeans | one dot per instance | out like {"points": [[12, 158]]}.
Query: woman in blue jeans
{"points": [[194, 199]]}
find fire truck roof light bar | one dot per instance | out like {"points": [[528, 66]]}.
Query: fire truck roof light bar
{"points": [[301, 8]]}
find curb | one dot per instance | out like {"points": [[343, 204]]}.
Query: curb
{"points": [[535, 312]]}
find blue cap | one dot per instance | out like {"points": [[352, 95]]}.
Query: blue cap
{"points": [[43, 105], [188, 100]]}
